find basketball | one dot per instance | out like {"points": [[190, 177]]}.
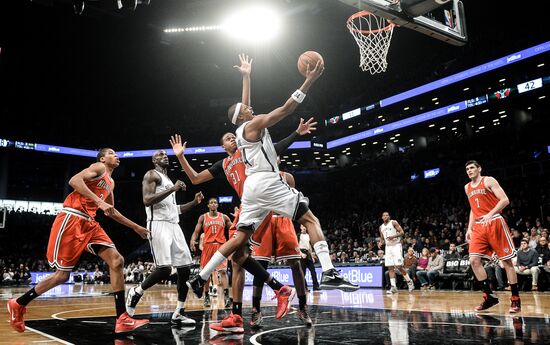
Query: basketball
{"points": [[308, 58]]}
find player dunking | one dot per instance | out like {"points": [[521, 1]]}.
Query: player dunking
{"points": [[234, 168], [488, 233], [214, 224], [167, 242], [392, 233], [75, 230], [264, 191]]}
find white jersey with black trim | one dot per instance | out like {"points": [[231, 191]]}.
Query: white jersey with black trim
{"points": [[167, 209], [389, 230], [258, 156]]}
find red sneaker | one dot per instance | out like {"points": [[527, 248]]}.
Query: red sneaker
{"points": [[515, 304], [125, 323], [284, 296], [16, 311], [233, 323]]}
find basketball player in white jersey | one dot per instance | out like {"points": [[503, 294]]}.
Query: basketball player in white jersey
{"points": [[265, 191], [392, 233], [168, 245]]}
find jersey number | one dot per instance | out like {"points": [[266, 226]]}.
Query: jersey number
{"points": [[477, 202], [235, 176], [214, 229]]}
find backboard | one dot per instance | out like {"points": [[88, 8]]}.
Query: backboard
{"points": [[446, 22]]}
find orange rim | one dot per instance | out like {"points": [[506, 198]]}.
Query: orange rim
{"points": [[367, 32]]}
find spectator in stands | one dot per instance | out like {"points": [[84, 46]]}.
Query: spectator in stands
{"points": [[534, 238], [516, 238], [452, 253], [495, 271], [422, 266], [7, 277], [98, 275], [410, 262], [435, 267], [543, 250], [527, 262]]}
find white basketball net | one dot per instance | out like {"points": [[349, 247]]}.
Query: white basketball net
{"points": [[373, 36]]}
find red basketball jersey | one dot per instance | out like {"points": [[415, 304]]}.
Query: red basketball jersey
{"points": [[214, 228], [234, 169], [481, 199], [100, 186]]}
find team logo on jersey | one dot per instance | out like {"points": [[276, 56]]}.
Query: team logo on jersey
{"points": [[506, 250]]}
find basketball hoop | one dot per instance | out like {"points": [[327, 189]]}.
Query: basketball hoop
{"points": [[373, 36]]}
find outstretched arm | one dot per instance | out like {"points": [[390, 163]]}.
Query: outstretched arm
{"points": [[246, 69], [188, 206], [179, 148], [254, 128], [198, 228], [303, 129]]}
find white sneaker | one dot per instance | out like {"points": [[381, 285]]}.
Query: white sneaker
{"points": [[392, 290], [410, 284], [183, 320], [214, 292], [132, 300]]}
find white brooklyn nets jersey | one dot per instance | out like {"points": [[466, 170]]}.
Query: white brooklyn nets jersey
{"points": [[258, 156], [165, 210], [389, 230]]}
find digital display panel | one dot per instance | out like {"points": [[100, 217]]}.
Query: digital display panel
{"points": [[431, 173]]}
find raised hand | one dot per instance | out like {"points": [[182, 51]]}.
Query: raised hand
{"points": [[179, 185], [199, 197], [246, 64], [306, 127], [177, 146], [316, 72]]}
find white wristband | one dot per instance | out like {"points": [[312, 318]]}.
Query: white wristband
{"points": [[298, 96]]}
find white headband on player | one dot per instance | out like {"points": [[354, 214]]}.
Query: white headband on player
{"points": [[236, 113]]}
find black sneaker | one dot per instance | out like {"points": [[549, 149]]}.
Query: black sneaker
{"points": [[488, 302], [256, 319], [196, 284], [331, 279], [303, 315], [228, 301]]}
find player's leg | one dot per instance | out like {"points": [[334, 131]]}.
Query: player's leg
{"points": [[181, 260], [480, 247], [300, 285], [391, 274], [64, 250], [410, 283], [256, 319], [124, 322], [511, 274]]}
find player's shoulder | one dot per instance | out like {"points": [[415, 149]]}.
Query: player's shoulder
{"points": [[151, 174]]}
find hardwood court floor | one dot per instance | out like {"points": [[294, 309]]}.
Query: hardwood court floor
{"points": [[83, 314]]}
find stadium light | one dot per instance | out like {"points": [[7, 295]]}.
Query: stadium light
{"points": [[254, 24]]}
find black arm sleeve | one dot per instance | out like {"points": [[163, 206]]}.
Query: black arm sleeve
{"points": [[216, 168], [284, 144]]}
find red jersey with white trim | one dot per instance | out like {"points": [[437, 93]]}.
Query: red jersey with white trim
{"points": [[235, 169], [213, 228], [101, 186], [481, 199]]}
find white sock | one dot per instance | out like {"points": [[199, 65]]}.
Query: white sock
{"points": [[321, 249], [139, 290], [179, 305], [392, 282], [214, 262]]}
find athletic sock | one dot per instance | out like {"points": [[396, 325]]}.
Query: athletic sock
{"points": [[487, 289], [27, 297], [214, 262], [139, 290], [120, 305], [302, 302], [321, 249], [392, 282], [237, 308], [514, 289], [183, 277]]}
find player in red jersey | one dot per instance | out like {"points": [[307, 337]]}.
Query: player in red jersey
{"points": [[214, 224], [488, 233], [75, 231], [234, 169], [280, 241]]}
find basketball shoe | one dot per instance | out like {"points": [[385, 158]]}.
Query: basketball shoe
{"points": [[125, 323], [284, 296], [132, 300], [180, 319], [410, 285], [233, 323], [515, 304], [332, 279], [488, 302], [303, 315], [16, 311], [256, 319], [196, 284]]}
